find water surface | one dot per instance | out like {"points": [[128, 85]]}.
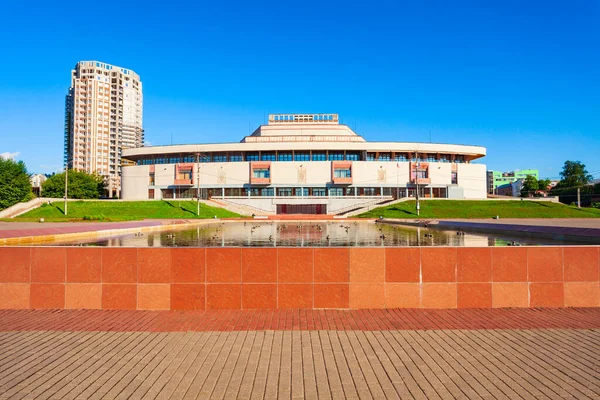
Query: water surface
{"points": [[313, 234]]}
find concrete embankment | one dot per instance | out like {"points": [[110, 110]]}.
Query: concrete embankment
{"points": [[559, 229]]}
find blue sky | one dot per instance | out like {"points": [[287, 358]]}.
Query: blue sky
{"points": [[520, 78]]}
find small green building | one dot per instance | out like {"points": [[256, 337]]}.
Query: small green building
{"points": [[497, 178]]}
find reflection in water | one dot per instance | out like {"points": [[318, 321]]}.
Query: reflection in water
{"points": [[313, 234]]}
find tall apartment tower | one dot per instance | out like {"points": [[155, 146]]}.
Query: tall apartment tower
{"points": [[103, 116]]}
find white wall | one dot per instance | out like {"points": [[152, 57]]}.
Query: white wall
{"points": [[440, 173], [472, 178], [135, 182], [286, 173], [235, 174], [366, 173]]}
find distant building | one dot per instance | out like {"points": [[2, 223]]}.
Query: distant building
{"points": [[497, 178], [37, 180], [504, 190], [304, 163], [103, 116]]}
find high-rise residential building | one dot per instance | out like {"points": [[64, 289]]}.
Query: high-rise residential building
{"points": [[497, 178], [103, 116]]}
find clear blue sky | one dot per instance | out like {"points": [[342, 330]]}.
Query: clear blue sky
{"points": [[521, 78]]}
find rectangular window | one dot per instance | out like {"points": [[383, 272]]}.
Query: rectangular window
{"points": [[454, 178], [385, 157], [342, 173], [369, 191], [319, 192], [235, 192], [284, 191], [400, 157], [459, 159], [235, 157], [186, 174], [336, 191], [261, 173], [189, 159], [421, 174], [219, 157], [336, 156], [352, 156], [431, 158], [174, 160], [150, 194], [151, 179], [301, 156], [444, 158], [319, 156], [267, 156], [301, 191], [284, 156], [370, 156], [252, 156]]}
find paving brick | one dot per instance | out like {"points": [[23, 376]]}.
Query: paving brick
{"points": [[477, 363]]}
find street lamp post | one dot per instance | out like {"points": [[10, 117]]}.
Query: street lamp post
{"points": [[198, 184], [67, 183], [397, 181], [417, 183]]}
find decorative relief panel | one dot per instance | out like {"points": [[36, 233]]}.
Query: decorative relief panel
{"points": [[302, 174], [381, 175]]}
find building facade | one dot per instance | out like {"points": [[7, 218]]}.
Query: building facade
{"points": [[497, 178], [103, 116], [304, 163], [37, 180]]}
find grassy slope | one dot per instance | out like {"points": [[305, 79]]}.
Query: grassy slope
{"points": [[481, 209], [124, 211]]}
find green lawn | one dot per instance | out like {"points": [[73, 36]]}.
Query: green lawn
{"points": [[108, 210], [438, 209]]}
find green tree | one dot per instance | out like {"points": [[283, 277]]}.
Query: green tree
{"points": [[81, 185], [574, 175], [530, 185], [14, 183], [543, 184]]}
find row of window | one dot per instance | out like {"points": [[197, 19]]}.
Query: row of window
{"points": [[304, 192], [304, 118], [295, 156]]}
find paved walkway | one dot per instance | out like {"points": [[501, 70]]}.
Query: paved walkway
{"points": [[281, 319], [243, 361], [24, 229]]}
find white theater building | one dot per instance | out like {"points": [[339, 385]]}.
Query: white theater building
{"points": [[304, 163]]}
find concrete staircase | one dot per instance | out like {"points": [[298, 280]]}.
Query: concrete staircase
{"points": [[374, 204], [236, 208]]}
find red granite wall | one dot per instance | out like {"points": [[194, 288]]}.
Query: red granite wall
{"points": [[221, 278]]}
